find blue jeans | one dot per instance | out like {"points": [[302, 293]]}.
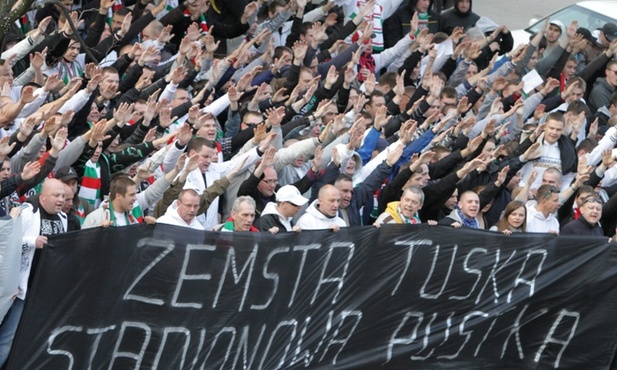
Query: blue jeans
{"points": [[9, 327]]}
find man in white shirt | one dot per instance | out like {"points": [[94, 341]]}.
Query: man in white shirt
{"points": [[541, 216]]}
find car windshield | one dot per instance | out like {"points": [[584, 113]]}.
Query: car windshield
{"points": [[585, 17]]}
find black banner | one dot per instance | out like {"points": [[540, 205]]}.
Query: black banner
{"points": [[416, 297]]}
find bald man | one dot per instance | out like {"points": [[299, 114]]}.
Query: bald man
{"points": [[41, 217], [322, 213]]}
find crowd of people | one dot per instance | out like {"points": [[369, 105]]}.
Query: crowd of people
{"points": [[281, 116]]}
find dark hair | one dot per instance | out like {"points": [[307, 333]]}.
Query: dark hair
{"points": [[448, 92], [123, 11], [388, 78], [280, 50], [343, 177], [503, 223], [546, 191], [197, 143], [305, 27], [119, 185], [587, 145]]}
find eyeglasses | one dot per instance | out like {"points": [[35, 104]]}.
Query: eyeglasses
{"points": [[614, 71], [550, 191], [271, 182]]}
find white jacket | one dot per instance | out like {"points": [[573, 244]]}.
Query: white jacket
{"points": [[315, 220], [171, 217], [31, 225], [537, 223]]}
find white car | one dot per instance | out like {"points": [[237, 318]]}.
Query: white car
{"points": [[591, 15]]}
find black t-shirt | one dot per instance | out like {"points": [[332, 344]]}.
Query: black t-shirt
{"points": [[51, 224]]}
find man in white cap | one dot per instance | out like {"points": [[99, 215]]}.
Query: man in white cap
{"points": [[554, 32], [277, 216]]}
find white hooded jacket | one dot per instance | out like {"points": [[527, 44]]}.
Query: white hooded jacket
{"points": [[313, 219], [171, 217]]}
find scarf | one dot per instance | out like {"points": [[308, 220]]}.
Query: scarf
{"points": [[135, 216], [228, 226], [422, 21], [366, 61], [406, 220], [375, 17], [90, 189], [202, 21], [80, 213], [577, 213], [467, 222], [68, 70]]}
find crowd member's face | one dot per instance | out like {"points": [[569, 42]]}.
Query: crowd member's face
{"points": [[52, 196], [351, 166], [267, 185], [116, 21], [517, 217], [469, 204], [569, 69], [451, 202], [6, 75], [553, 33], [553, 131], [188, 206], [208, 130], [577, 94], [550, 200], [68, 198], [533, 61], [181, 97], [551, 178], [308, 37], [206, 156], [110, 81], [376, 103], [305, 80], [330, 201], [345, 187], [592, 211], [611, 75], [125, 201], [471, 71], [422, 5], [463, 5], [94, 114], [72, 52], [410, 203], [5, 171], [243, 218]]}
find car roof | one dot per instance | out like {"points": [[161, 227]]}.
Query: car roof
{"points": [[601, 7]]}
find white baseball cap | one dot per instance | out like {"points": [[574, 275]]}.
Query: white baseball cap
{"points": [[291, 194]]}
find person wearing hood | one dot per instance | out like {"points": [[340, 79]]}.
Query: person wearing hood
{"points": [[183, 211], [464, 214], [322, 213], [399, 24], [277, 216], [604, 88], [459, 16], [541, 216]]}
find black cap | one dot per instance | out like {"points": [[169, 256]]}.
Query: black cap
{"points": [[66, 173], [586, 35], [610, 30]]}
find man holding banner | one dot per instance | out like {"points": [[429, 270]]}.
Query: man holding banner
{"points": [[41, 218]]}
